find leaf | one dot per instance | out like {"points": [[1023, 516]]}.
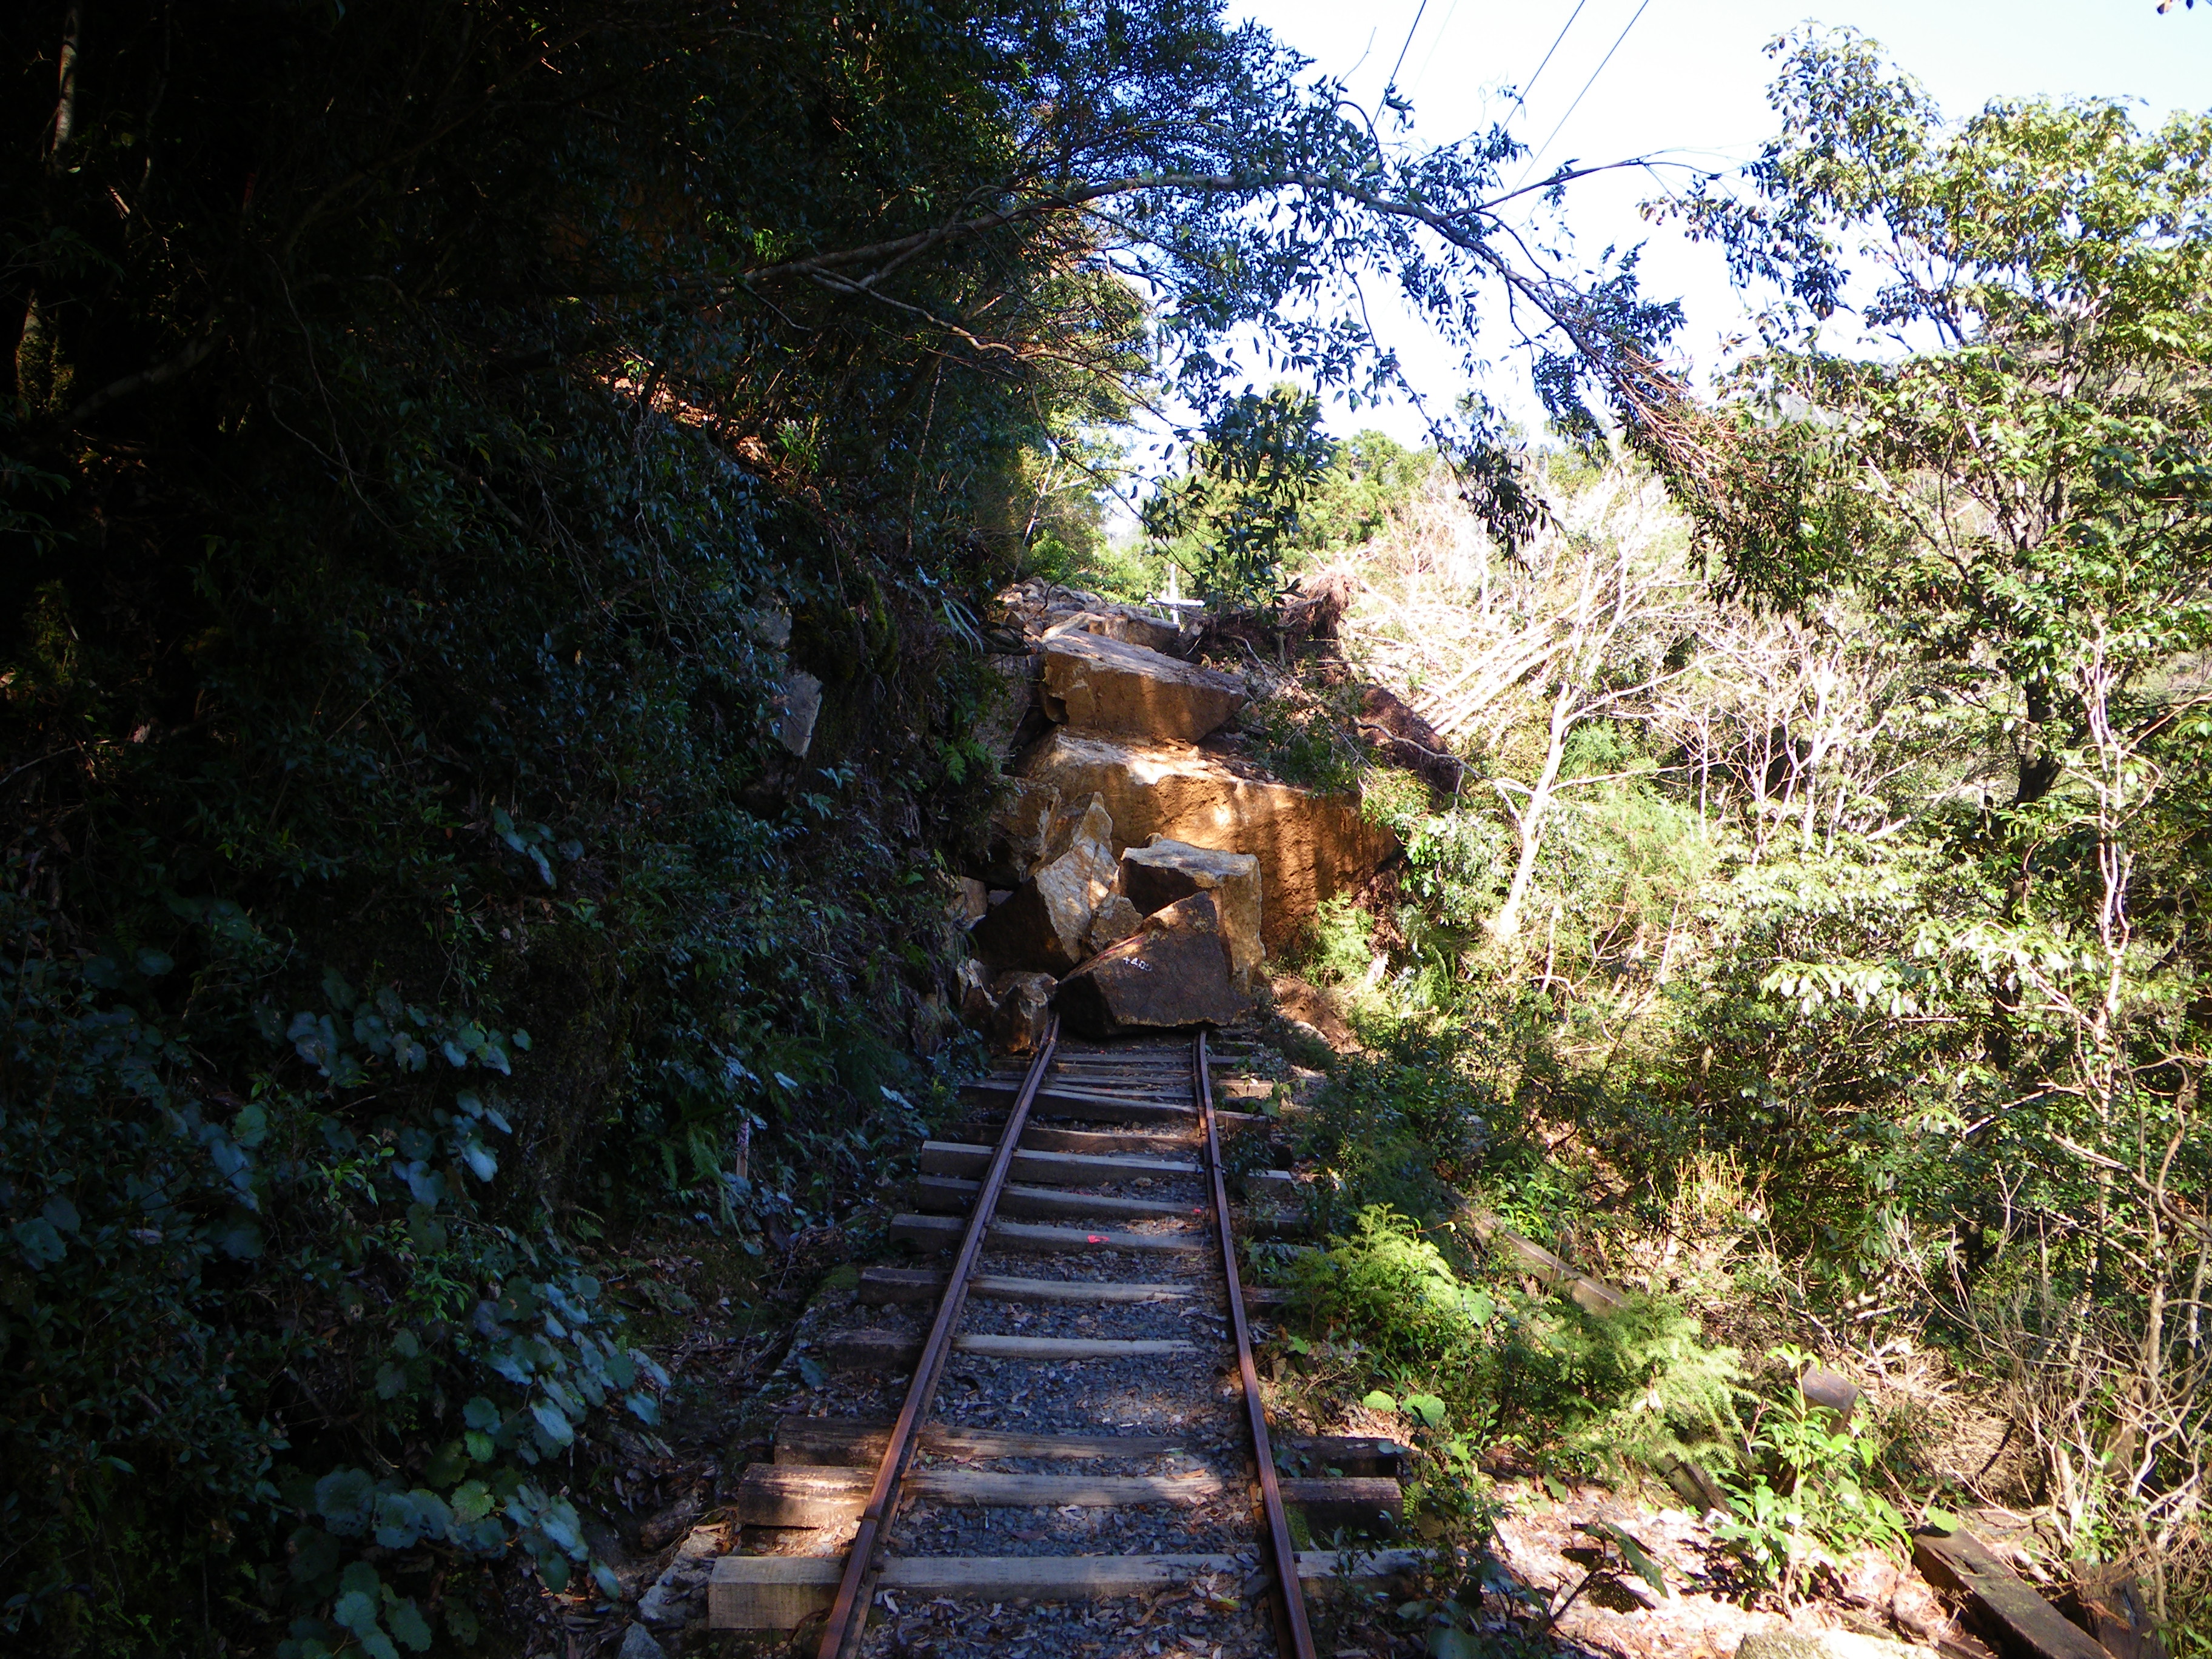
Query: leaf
{"points": [[551, 1422], [408, 1624], [812, 1371], [1427, 1408], [1380, 1402], [1941, 1520], [39, 1242], [1639, 1560], [344, 1498], [473, 1501], [356, 1611], [480, 1413]]}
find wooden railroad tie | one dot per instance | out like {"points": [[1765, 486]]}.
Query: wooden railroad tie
{"points": [[943, 1232], [825, 1494], [777, 1592]]}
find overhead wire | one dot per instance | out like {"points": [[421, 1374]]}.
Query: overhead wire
{"points": [[1419, 12], [1520, 94], [1584, 93]]}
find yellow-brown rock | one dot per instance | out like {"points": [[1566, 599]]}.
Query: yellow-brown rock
{"points": [[1310, 846], [1099, 684], [1155, 877], [1045, 926]]}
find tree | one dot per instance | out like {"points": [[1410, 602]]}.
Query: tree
{"points": [[1230, 519], [2014, 481]]}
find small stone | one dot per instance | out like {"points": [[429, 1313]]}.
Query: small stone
{"points": [[637, 1643], [1021, 1007]]}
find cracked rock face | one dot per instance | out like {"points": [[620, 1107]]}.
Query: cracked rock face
{"points": [[1094, 684], [1173, 971]]}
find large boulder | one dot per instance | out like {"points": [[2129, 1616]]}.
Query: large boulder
{"points": [[1121, 622], [1099, 684], [1045, 926], [1173, 971], [1310, 846], [1155, 877], [1018, 832]]}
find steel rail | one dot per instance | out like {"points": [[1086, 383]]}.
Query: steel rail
{"points": [[849, 1613], [1293, 1634]]}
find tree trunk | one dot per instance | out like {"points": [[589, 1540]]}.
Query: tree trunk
{"points": [[1528, 822]]}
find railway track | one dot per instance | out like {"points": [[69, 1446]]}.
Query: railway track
{"points": [[1102, 1452]]}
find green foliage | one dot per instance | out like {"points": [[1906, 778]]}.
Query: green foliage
{"points": [[1309, 737], [1618, 1392], [1806, 1497], [1369, 481], [1234, 517], [1400, 1128]]}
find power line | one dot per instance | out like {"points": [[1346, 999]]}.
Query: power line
{"points": [[1420, 12], [1584, 93], [1442, 29], [1521, 96]]}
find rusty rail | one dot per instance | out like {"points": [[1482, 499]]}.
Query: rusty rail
{"points": [[849, 1613], [1293, 1635]]}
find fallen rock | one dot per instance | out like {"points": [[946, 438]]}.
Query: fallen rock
{"points": [[637, 1643], [1122, 623], [1036, 607], [1044, 925], [1010, 704], [1402, 738], [800, 703], [684, 1581], [971, 987], [1173, 971], [1019, 826], [1021, 1008], [1116, 919], [661, 1529], [1310, 846], [1094, 684], [1156, 876], [970, 901]]}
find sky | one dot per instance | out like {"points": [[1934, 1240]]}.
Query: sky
{"points": [[1686, 81]]}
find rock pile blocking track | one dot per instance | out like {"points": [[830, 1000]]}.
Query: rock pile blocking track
{"points": [[1104, 710]]}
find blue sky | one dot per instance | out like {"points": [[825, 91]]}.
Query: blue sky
{"points": [[1688, 80]]}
